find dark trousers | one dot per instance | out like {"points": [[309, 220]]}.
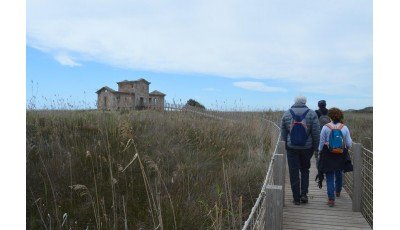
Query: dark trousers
{"points": [[299, 163]]}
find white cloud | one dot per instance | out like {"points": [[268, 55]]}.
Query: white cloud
{"points": [[258, 86], [66, 60], [307, 42]]}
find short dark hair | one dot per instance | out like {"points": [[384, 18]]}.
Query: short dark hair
{"points": [[336, 115], [322, 103]]}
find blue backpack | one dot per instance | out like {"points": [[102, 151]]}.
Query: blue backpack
{"points": [[336, 140], [298, 129]]}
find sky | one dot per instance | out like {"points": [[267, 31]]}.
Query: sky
{"points": [[228, 54]]}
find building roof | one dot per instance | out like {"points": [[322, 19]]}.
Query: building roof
{"points": [[156, 92], [107, 88], [112, 91], [136, 81]]}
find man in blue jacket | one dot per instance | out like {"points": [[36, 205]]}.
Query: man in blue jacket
{"points": [[298, 123]]}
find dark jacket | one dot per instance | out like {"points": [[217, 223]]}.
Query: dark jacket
{"points": [[312, 127], [321, 111], [331, 162]]}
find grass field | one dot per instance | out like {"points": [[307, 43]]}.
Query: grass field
{"points": [[149, 169], [142, 169]]}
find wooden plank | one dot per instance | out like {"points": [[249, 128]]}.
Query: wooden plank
{"points": [[324, 212], [338, 225], [329, 221], [319, 227], [313, 217], [317, 214]]}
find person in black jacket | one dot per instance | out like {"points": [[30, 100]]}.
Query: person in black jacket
{"points": [[322, 110], [323, 119]]}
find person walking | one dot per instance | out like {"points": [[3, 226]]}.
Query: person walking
{"points": [[300, 131], [323, 118], [322, 113], [335, 141]]}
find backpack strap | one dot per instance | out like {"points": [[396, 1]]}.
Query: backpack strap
{"points": [[329, 126], [335, 127], [297, 117], [304, 114], [293, 114]]}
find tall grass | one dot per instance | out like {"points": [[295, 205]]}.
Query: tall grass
{"points": [[360, 125], [142, 170]]}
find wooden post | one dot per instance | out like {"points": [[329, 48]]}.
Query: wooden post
{"points": [[282, 150], [357, 177], [278, 166], [274, 210]]}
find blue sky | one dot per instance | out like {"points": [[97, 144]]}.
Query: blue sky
{"points": [[225, 54]]}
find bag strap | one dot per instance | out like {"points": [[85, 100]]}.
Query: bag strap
{"points": [[293, 114], [300, 118], [329, 126], [304, 114], [335, 127]]}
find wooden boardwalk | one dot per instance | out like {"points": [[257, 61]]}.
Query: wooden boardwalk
{"points": [[317, 214]]}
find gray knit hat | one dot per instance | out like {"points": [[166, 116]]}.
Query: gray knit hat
{"points": [[300, 100]]}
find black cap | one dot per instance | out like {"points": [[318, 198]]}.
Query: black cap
{"points": [[322, 104]]}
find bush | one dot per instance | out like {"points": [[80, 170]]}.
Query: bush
{"points": [[195, 104]]}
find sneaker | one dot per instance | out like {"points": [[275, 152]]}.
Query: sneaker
{"points": [[331, 203], [337, 194], [304, 199], [295, 202]]}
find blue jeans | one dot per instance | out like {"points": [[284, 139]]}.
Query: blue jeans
{"points": [[299, 163], [334, 182]]}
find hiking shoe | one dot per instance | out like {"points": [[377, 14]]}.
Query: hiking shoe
{"points": [[304, 199], [296, 202], [337, 194], [331, 202]]}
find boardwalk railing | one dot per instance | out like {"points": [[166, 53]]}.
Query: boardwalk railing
{"points": [[268, 208], [358, 183], [267, 212]]}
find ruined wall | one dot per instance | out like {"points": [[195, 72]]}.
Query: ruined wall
{"points": [[157, 101], [125, 101], [106, 100], [126, 87], [141, 91], [110, 101]]}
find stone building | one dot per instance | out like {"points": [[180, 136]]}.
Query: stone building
{"points": [[130, 95]]}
